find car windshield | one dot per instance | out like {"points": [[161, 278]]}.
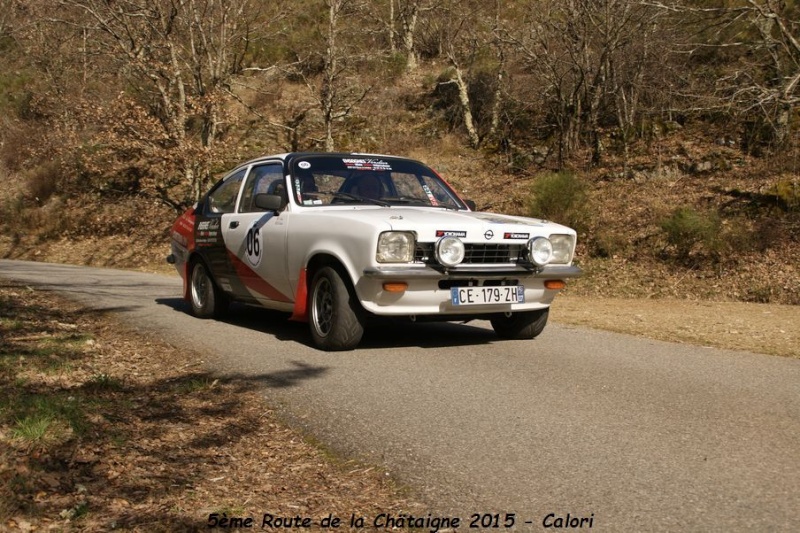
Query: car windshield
{"points": [[319, 180]]}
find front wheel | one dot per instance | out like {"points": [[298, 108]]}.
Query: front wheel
{"points": [[521, 325], [208, 300], [337, 319]]}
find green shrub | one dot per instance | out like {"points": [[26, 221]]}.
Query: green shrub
{"points": [[560, 197], [687, 228]]}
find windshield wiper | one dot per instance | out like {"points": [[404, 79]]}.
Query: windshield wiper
{"points": [[363, 199], [410, 200], [405, 200]]}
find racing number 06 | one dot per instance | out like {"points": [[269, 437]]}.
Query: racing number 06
{"points": [[253, 246]]}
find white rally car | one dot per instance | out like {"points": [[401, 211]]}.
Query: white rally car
{"points": [[335, 239]]}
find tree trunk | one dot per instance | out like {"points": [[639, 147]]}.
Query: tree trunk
{"points": [[330, 75], [391, 30], [409, 23], [466, 108]]}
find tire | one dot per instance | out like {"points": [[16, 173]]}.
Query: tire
{"points": [[206, 298], [336, 318], [522, 325]]}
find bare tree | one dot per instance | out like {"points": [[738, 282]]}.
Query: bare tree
{"points": [[385, 16], [408, 16], [761, 87], [592, 56], [770, 86], [332, 71], [634, 57], [463, 98], [404, 14], [182, 52], [338, 91], [470, 45], [46, 65]]}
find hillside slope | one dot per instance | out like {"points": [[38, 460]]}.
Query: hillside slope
{"points": [[684, 215]]}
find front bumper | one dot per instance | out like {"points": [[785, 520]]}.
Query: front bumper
{"points": [[428, 290], [471, 271]]}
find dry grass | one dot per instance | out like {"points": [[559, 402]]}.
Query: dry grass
{"points": [[770, 329]]}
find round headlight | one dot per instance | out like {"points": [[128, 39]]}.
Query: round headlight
{"points": [[449, 251], [540, 250]]}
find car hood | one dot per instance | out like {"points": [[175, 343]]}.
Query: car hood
{"points": [[471, 226]]}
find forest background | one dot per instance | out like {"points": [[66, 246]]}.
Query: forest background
{"points": [[665, 132]]}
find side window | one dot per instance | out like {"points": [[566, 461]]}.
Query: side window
{"points": [[262, 179], [223, 198]]}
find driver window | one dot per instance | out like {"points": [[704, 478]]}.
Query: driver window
{"points": [[223, 198], [262, 179]]}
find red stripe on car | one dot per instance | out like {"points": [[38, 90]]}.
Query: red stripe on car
{"points": [[253, 281]]}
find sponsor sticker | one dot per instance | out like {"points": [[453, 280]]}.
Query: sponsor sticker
{"points": [[429, 194], [305, 165], [516, 235], [451, 233], [205, 225], [365, 164]]}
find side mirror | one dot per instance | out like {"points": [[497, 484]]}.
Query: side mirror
{"points": [[471, 205], [270, 202]]}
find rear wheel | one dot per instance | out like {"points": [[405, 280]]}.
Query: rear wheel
{"points": [[336, 316], [522, 325], [207, 299]]}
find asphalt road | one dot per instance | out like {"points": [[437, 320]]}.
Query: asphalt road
{"points": [[637, 435]]}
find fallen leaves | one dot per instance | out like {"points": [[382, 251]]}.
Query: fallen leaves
{"points": [[153, 449]]}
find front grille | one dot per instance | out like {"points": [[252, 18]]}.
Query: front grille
{"points": [[492, 253], [476, 254]]}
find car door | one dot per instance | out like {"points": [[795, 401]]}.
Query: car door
{"points": [[256, 240], [209, 221]]}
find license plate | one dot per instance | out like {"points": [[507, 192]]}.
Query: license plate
{"points": [[487, 295]]}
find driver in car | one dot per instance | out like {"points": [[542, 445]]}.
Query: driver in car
{"points": [[369, 186]]}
